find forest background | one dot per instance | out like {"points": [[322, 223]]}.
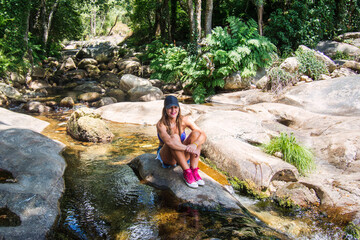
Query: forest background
{"points": [[31, 30]]}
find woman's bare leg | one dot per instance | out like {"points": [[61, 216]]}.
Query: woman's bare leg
{"points": [[194, 159], [171, 156]]}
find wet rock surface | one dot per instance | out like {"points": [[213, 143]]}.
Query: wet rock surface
{"points": [[30, 203], [324, 118], [212, 196]]}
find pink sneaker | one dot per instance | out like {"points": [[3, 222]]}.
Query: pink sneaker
{"points": [[189, 178], [197, 177]]}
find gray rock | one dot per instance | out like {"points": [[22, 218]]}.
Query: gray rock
{"points": [[110, 80], [35, 162], [145, 93], [342, 72], [67, 102], [38, 84], [87, 61], [130, 66], [68, 64], [339, 96], [89, 97], [36, 107], [129, 81], [330, 48], [236, 82], [86, 125], [290, 65], [230, 143], [118, 94], [11, 92], [242, 98], [104, 101], [212, 196], [77, 74], [89, 87]]}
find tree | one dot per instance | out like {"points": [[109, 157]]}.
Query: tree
{"points": [[260, 11], [208, 16]]}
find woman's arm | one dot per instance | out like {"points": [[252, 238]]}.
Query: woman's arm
{"points": [[172, 142], [190, 124]]}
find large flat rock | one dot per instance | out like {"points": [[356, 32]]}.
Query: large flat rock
{"points": [[212, 196], [338, 96], [35, 162]]}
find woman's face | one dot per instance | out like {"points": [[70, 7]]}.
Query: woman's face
{"points": [[172, 112]]}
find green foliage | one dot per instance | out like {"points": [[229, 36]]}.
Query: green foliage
{"points": [[299, 156], [343, 56], [279, 79], [353, 230], [310, 65], [301, 22], [235, 48]]}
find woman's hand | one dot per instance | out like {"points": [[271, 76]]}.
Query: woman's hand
{"points": [[192, 148]]}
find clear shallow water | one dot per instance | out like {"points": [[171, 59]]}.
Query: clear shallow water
{"points": [[105, 200]]}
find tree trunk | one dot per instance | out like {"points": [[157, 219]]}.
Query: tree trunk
{"points": [[165, 19], [191, 19], [173, 20], [198, 18], [260, 11], [208, 16], [113, 25], [157, 25], [47, 26]]}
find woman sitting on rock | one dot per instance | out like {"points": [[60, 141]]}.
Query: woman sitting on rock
{"points": [[175, 147]]}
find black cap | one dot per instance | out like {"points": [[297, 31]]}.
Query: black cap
{"points": [[171, 101]]}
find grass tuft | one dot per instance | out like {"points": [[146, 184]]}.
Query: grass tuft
{"points": [[301, 157]]}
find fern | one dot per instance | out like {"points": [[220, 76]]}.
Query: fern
{"points": [[237, 47]]}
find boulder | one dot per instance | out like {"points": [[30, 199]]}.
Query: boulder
{"points": [[145, 93], [38, 72], [299, 195], [3, 100], [67, 102], [30, 204], [68, 64], [342, 72], [242, 98], [89, 87], [16, 78], [118, 94], [236, 82], [11, 92], [93, 71], [129, 81], [352, 65], [38, 84], [330, 48], [330, 64], [230, 145], [87, 61], [212, 196], [77, 74], [339, 96], [104, 101], [86, 125], [130, 66], [36, 107], [110, 80], [89, 97], [290, 64]]}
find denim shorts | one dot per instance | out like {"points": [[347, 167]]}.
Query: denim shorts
{"points": [[164, 165]]}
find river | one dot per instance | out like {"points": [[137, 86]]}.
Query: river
{"points": [[104, 199]]}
